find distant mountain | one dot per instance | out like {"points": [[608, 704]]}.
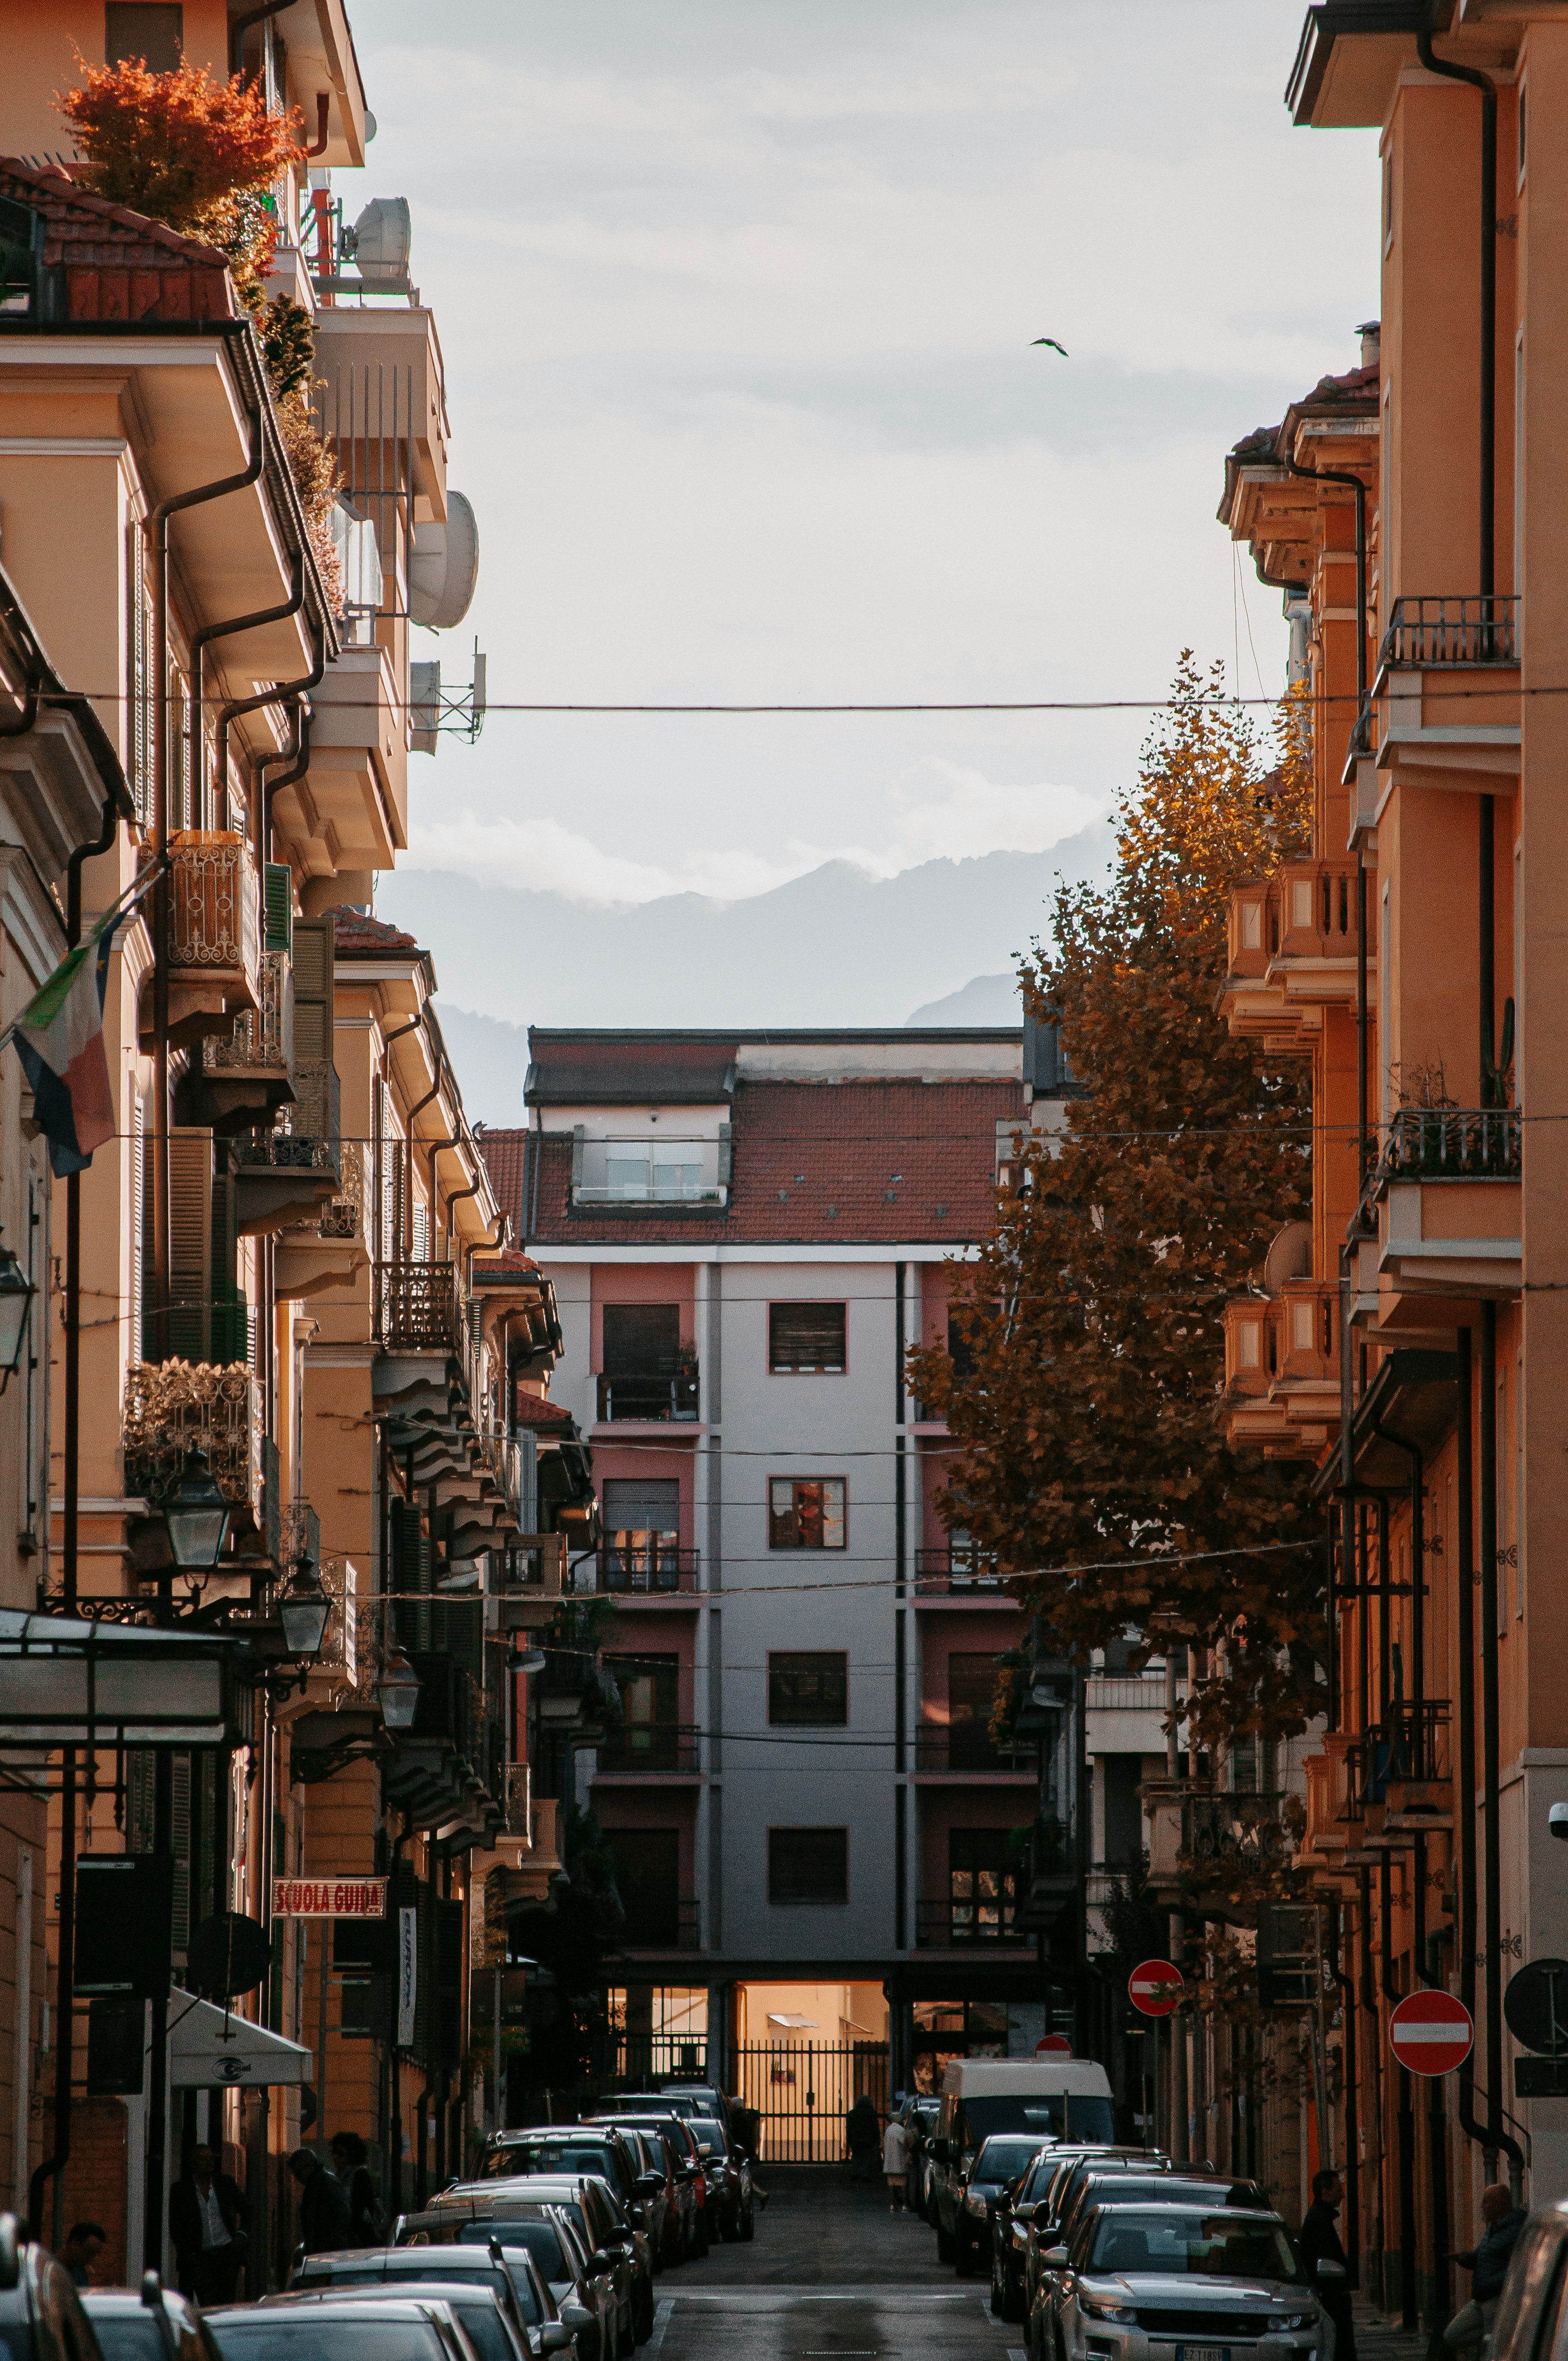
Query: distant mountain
{"points": [[985, 999], [492, 1059], [836, 947]]}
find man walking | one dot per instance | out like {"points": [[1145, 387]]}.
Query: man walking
{"points": [[1488, 2267], [1328, 2268], [325, 2225], [207, 2215], [895, 2162], [862, 2139]]}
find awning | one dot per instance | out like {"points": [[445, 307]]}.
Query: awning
{"points": [[67, 1683], [208, 2048]]}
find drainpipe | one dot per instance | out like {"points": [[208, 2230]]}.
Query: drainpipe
{"points": [[1351, 2097], [1492, 1863], [200, 641], [415, 1112], [242, 26], [1464, 1769], [1418, 1682], [437, 1148], [156, 531], [296, 758], [281, 693], [1486, 555]]}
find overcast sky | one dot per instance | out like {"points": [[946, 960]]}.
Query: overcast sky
{"points": [[737, 299]]}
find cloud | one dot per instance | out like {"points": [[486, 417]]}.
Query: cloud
{"points": [[937, 810]]}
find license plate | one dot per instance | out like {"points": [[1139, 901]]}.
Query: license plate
{"points": [[1202, 2353]]}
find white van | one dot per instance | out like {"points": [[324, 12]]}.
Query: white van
{"points": [[1027, 2100]]}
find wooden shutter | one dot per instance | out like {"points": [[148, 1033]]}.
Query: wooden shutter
{"points": [[313, 988], [140, 1244], [190, 1244], [230, 1339], [279, 902]]}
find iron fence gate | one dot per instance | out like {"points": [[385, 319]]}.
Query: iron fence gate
{"points": [[803, 2093]]}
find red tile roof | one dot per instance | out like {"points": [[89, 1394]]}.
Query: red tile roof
{"points": [[115, 265], [814, 1163], [533, 1410], [355, 932]]}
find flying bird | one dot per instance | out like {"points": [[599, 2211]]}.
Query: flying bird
{"points": [[1053, 345]]}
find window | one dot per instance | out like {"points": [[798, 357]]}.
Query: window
{"points": [[147, 29], [647, 1880], [649, 1738], [981, 1884], [971, 1693], [650, 1171], [808, 1864], [961, 1345], [806, 1513], [808, 1690], [806, 1338], [642, 1520], [642, 1340]]}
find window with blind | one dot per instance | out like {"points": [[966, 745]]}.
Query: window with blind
{"points": [[806, 1513], [808, 1688], [642, 1340], [809, 1865], [807, 1339]]}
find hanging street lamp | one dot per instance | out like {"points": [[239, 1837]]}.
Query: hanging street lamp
{"points": [[197, 1516], [397, 1692], [17, 1293]]}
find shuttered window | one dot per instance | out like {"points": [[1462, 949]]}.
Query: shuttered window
{"points": [[279, 899], [806, 1338], [189, 1324], [314, 977]]}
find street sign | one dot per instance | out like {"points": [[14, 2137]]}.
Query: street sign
{"points": [[1431, 2032], [1535, 2005], [329, 1897], [1053, 2045], [1154, 1987], [1539, 2078]]}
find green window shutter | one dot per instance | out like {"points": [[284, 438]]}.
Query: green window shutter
{"points": [[279, 898], [410, 1578], [312, 953], [190, 1214], [229, 1329]]}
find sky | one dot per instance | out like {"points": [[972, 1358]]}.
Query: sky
{"points": [[737, 303]]}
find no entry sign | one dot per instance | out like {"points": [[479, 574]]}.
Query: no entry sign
{"points": [[1053, 2045], [1154, 1987], [1431, 2032]]}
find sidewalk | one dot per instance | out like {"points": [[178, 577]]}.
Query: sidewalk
{"points": [[1380, 2337]]}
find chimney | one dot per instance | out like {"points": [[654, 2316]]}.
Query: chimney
{"points": [[1371, 343]]}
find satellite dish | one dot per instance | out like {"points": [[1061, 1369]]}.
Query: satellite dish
{"points": [[445, 567], [380, 242], [226, 1956]]}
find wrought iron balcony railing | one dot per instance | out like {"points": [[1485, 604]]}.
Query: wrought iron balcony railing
{"points": [[1451, 631], [1452, 1144], [214, 902], [1410, 1745], [651, 1566], [987, 1918], [656, 1399], [1234, 1832], [170, 1406], [519, 1800], [263, 1040], [654, 1747], [420, 1308], [962, 1566]]}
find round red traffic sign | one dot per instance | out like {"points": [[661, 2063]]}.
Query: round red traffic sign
{"points": [[1154, 1987], [1431, 2032], [1053, 2045]]}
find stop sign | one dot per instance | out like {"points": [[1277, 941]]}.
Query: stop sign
{"points": [[1055, 2045], [1431, 2032], [1154, 1987]]}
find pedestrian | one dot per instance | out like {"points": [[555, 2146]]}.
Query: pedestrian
{"points": [[1328, 2268], [895, 2162], [862, 2138], [207, 2218], [324, 2204], [1488, 2267], [350, 2161], [86, 2241]]}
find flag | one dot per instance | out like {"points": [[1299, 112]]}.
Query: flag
{"points": [[60, 1039]]}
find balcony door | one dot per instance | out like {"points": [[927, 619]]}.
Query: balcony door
{"points": [[648, 1879], [646, 1371], [982, 1891], [641, 1518], [971, 1694], [649, 1736]]}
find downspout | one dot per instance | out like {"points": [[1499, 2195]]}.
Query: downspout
{"points": [[1492, 1863], [1464, 1769], [1351, 2099], [297, 761], [1486, 520], [402, 1034], [242, 26], [281, 693], [1417, 1948], [200, 642], [415, 1112], [156, 531]]}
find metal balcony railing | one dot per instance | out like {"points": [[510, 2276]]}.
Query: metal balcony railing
{"points": [[263, 1041], [963, 1566], [968, 1923], [342, 1217], [419, 1307], [519, 1800], [652, 1566], [966, 1746], [1451, 631], [1234, 1832], [654, 1747], [1411, 1744], [655, 1924], [655, 1399], [214, 902], [170, 1406], [1452, 1144]]}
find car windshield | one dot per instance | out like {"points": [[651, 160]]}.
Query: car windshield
{"points": [[322, 2335], [1049, 2115], [703, 2128], [1194, 2245], [476, 2309], [553, 2156], [1004, 2159], [1132, 2189], [130, 2336], [536, 2238]]}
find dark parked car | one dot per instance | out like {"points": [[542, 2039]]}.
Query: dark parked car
{"points": [[484, 2320], [727, 2175], [40, 2318], [566, 2151], [283, 2330], [650, 2115], [511, 2280], [128, 2329], [607, 2261]]}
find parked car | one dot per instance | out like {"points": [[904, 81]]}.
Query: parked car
{"points": [[511, 2280], [1062, 2204], [1151, 2282], [996, 2163], [40, 2317], [1533, 2290], [126, 2324], [656, 2186], [306, 2330], [1048, 2099], [727, 2175], [616, 2252], [485, 2319], [653, 2115], [564, 2150], [919, 2115], [544, 2238], [1023, 2231]]}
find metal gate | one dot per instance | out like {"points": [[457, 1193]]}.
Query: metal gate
{"points": [[804, 2091]]}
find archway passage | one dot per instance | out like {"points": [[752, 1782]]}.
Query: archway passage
{"points": [[803, 2054]]}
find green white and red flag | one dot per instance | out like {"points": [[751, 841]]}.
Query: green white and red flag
{"points": [[60, 1039]]}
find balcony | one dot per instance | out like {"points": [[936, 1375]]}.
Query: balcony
{"points": [[1333, 1795], [215, 951], [329, 1246], [1451, 631], [1202, 1839], [656, 1568], [968, 1747], [1405, 1782], [961, 1569], [247, 1075], [420, 1307], [654, 1750], [650, 1399], [526, 1577], [1294, 941], [1282, 1369], [988, 1922], [658, 1925], [669, 1174], [172, 1406], [448, 1767], [1446, 1195], [292, 1172]]}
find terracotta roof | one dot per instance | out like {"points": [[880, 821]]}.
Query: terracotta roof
{"points": [[534, 1409], [356, 931], [510, 1264], [1356, 390], [102, 263], [814, 1163]]}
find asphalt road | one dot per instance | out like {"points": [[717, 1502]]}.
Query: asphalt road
{"points": [[830, 2276]]}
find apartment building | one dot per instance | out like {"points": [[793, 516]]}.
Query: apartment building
{"points": [[1407, 1343], [275, 1501], [819, 1845]]}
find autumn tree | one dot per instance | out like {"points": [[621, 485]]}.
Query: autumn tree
{"points": [[1090, 1454]]}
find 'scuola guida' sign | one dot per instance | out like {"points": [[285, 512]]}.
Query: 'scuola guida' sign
{"points": [[329, 1897]]}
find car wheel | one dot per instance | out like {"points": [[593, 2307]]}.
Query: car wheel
{"points": [[998, 2295], [947, 2245], [645, 2317], [964, 2254]]}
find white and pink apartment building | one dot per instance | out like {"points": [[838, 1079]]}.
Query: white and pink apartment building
{"points": [[746, 1231]]}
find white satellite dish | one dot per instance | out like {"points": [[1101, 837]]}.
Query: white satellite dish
{"points": [[445, 567], [380, 242]]}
